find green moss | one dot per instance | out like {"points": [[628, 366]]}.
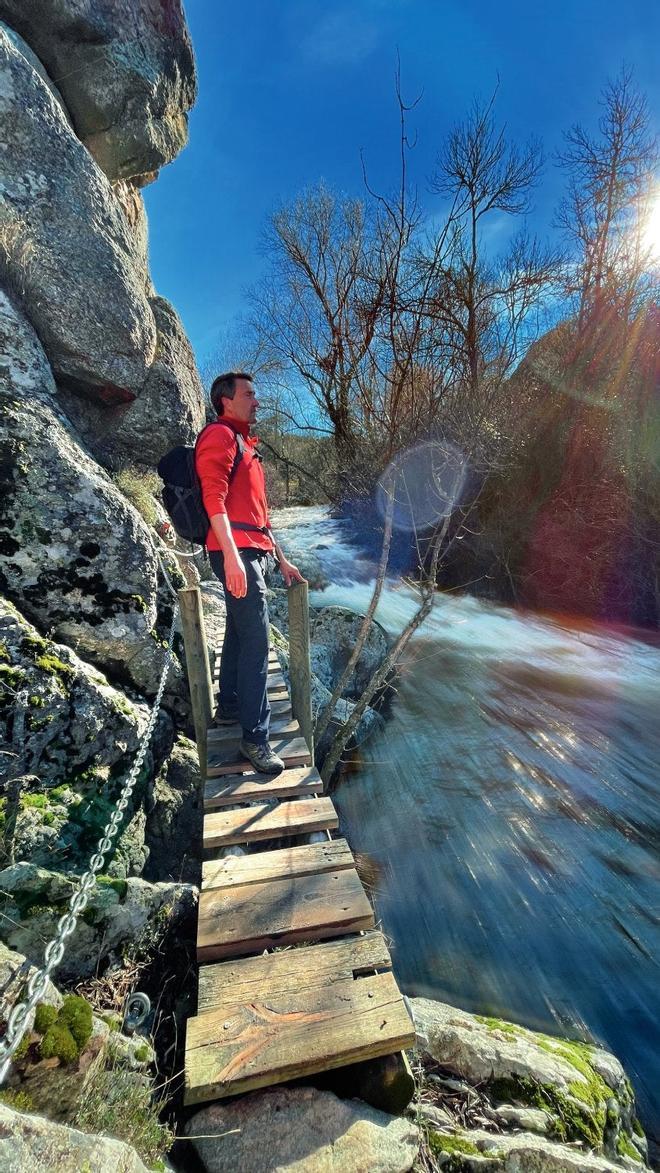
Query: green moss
{"points": [[113, 1021], [11, 677], [44, 1017], [141, 1054], [36, 800], [506, 1028], [58, 1042], [4, 651], [59, 793], [579, 1115], [54, 666], [118, 886], [19, 1101], [637, 1128], [37, 702], [23, 1047], [120, 705], [440, 1142], [76, 1014], [625, 1148]]}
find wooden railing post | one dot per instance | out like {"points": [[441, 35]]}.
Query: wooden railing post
{"points": [[199, 669], [299, 665]]}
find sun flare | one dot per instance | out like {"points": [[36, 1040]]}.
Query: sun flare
{"points": [[652, 232]]}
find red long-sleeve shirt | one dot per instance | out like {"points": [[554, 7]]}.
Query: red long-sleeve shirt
{"points": [[243, 500]]}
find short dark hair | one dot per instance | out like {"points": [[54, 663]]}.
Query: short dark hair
{"points": [[224, 387]]}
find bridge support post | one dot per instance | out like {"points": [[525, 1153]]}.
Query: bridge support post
{"points": [[299, 665], [198, 667]]}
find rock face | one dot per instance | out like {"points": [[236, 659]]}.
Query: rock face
{"points": [[125, 69], [32, 900], [175, 813], [169, 410], [31, 1142], [74, 555], [65, 245], [308, 1131], [334, 633]]}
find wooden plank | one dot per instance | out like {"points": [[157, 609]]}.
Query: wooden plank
{"points": [[226, 758], [292, 969], [197, 667], [285, 862], [263, 821], [285, 726], [252, 917], [237, 1048], [229, 789]]}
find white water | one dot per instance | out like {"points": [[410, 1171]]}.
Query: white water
{"points": [[509, 812]]}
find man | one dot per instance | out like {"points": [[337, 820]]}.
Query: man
{"points": [[240, 543]]}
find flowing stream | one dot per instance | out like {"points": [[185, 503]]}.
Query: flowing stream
{"points": [[509, 814]]}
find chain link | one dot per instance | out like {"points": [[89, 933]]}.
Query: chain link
{"points": [[18, 1019]]}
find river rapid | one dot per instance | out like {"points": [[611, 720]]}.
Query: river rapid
{"points": [[508, 812]]}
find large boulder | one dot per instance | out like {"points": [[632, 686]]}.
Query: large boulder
{"points": [[33, 899], [309, 1131], [125, 69], [74, 555], [334, 633], [582, 1088], [169, 410], [65, 245], [32, 1142]]}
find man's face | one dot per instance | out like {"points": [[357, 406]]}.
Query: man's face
{"points": [[243, 407]]}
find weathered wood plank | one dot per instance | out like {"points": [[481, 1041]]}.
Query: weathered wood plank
{"points": [[299, 663], [292, 969], [227, 759], [280, 726], [283, 862], [237, 1048], [254, 917], [229, 789], [262, 821]]}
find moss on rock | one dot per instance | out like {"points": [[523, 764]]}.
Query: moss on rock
{"points": [[44, 1017], [76, 1015], [59, 1043]]}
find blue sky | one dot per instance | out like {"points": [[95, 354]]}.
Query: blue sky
{"points": [[290, 91]]}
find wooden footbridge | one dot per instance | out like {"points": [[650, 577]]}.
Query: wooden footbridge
{"points": [[294, 978]]}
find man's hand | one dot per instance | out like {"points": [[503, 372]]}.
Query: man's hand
{"points": [[235, 576], [290, 573]]}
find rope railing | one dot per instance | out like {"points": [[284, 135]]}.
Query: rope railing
{"points": [[17, 1022]]}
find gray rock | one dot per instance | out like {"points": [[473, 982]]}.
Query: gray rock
{"points": [[59, 717], [528, 1119], [435, 1117], [32, 1142], [169, 410], [74, 555], [174, 817], [15, 971], [506, 1060], [125, 69], [523, 1153], [308, 1131], [36, 64], [65, 246], [334, 633], [32, 899]]}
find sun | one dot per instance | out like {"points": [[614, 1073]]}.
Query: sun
{"points": [[651, 236]]}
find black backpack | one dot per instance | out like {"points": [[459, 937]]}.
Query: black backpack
{"points": [[182, 492]]}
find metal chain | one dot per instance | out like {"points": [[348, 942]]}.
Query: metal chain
{"points": [[18, 1019]]}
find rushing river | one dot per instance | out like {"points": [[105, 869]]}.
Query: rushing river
{"points": [[510, 813]]}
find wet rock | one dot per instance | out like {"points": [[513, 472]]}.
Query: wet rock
{"points": [[308, 1131], [65, 248], [32, 1142], [32, 899], [75, 556], [125, 69]]}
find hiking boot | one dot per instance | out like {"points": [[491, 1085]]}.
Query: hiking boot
{"points": [[262, 757]]}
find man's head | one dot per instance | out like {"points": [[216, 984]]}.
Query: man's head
{"points": [[233, 396]]}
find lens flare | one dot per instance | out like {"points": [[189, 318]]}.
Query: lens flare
{"points": [[651, 238], [424, 485]]}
